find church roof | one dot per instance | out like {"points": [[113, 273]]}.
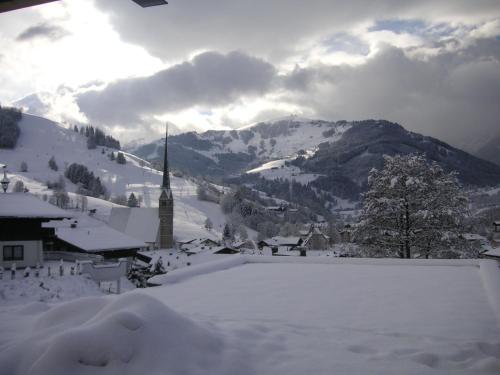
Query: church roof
{"points": [[141, 223]]}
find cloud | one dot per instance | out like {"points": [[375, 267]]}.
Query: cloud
{"points": [[42, 30], [274, 29], [452, 96], [209, 79]]}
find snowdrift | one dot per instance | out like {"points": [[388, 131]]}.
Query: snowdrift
{"points": [[131, 334]]}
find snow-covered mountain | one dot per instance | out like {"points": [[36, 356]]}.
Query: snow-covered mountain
{"points": [[41, 139], [333, 157]]}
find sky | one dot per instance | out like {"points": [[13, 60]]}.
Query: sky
{"points": [[431, 65]]}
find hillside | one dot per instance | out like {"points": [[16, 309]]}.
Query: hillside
{"points": [[334, 158], [41, 139], [491, 150]]}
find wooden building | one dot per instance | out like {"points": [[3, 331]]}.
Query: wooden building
{"points": [[22, 237]]}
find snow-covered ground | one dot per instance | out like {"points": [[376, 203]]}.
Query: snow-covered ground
{"points": [[258, 315], [41, 139], [277, 169]]}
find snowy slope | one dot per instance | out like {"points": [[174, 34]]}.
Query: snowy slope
{"points": [[270, 140], [41, 139]]}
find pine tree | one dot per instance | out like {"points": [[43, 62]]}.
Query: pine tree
{"points": [[132, 201], [412, 209], [208, 224], [120, 158], [75, 129], [24, 166], [227, 234], [53, 164], [91, 142], [18, 187]]}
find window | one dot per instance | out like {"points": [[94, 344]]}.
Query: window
{"points": [[15, 252]]}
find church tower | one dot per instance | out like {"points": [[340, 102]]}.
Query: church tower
{"points": [[166, 206]]}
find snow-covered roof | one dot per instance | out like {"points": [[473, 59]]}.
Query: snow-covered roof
{"points": [[102, 238], [25, 205], [141, 223], [497, 222], [473, 237], [493, 252], [283, 241]]}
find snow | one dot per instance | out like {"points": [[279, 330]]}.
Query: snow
{"points": [[277, 169], [99, 238], [32, 290], [23, 205], [271, 315], [385, 318], [41, 139], [130, 334]]}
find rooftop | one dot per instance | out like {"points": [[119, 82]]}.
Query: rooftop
{"points": [[94, 239], [25, 205]]}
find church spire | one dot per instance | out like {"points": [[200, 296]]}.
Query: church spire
{"points": [[166, 176]]}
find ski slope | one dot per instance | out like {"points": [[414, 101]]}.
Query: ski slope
{"points": [[41, 139]]}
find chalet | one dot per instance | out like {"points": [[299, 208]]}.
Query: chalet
{"points": [[346, 233], [316, 240], [22, 237], [280, 243], [197, 242], [207, 249], [102, 240]]}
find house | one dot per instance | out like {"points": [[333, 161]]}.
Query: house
{"points": [[346, 233], [280, 243], [208, 249], [316, 240], [197, 242], [22, 237], [102, 240]]}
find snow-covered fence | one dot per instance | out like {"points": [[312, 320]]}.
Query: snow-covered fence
{"points": [[106, 272]]}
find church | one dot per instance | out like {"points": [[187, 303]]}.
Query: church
{"points": [[154, 226]]}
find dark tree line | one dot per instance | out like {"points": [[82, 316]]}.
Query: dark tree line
{"points": [[89, 184], [9, 128], [96, 137]]}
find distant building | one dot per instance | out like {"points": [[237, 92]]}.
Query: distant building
{"points": [[316, 240], [22, 238], [154, 226], [279, 243]]}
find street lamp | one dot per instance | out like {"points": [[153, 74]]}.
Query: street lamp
{"points": [[5, 181]]}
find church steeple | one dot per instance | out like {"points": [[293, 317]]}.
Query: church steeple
{"points": [[166, 206], [166, 175]]}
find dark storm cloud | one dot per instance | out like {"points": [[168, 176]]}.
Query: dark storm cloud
{"points": [[43, 30], [452, 96], [210, 79], [273, 29]]}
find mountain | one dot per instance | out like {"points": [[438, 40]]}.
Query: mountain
{"points": [[490, 150], [40, 139], [334, 157]]}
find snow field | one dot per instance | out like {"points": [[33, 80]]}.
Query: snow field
{"points": [[270, 315], [381, 317]]}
